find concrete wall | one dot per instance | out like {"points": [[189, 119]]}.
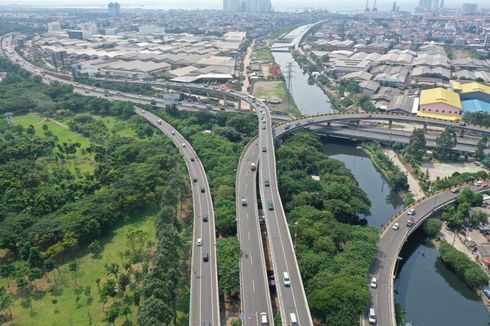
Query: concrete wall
{"points": [[439, 108]]}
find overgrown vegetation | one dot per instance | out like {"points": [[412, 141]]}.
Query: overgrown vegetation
{"points": [[458, 178], [334, 253], [396, 178], [48, 213], [464, 267]]}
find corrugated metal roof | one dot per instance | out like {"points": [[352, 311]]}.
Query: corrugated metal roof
{"points": [[470, 87], [440, 95]]}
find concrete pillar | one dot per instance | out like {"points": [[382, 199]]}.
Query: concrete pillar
{"points": [[189, 92], [207, 95], [224, 99], [425, 127], [239, 104], [328, 124], [461, 133], [390, 124]]}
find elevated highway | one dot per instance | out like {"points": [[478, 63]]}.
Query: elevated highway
{"points": [[204, 304], [292, 299]]}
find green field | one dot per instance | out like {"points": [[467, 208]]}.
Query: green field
{"points": [[264, 55], [66, 311], [275, 89]]}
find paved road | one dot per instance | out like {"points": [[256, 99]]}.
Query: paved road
{"points": [[383, 135], [254, 287], [292, 298], [390, 244], [204, 305]]}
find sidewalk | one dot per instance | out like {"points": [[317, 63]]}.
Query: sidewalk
{"points": [[417, 191], [458, 244]]}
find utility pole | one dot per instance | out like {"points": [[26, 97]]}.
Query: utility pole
{"points": [[289, 79]]}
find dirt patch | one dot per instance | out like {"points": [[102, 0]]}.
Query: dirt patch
{"points": [[269, 90], [442, 170]]}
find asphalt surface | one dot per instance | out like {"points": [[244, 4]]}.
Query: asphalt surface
{"points": [[254, 287], [390, 244], [204, 305]]}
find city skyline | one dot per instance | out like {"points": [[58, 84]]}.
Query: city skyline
{"points": [[277, 5]]}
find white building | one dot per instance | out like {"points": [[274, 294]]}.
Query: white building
{"points": [[88, 27], [150, 29], [54, 28]]}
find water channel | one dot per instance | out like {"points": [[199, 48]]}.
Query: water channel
{"points": [[430, 293], [309, 99]]}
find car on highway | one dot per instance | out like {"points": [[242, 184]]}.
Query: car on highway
{"points": [[263, 127], [293, 319], [199, 242], [204, 218], [263, 318], [173, 133], [206, 323], [372, 316], [244, 202], [484, 185], [287, 281], [374, 283], [194, 179], [159, 121], [183, 145], [205, 257], [267, 183], [203, 190], [396, 226], [192, 159], [411, 211], [478, 183], [253, 166], [271, 205], [455, 190], [264, 149]]}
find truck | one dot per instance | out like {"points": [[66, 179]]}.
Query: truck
{"points": [[253, 166]]}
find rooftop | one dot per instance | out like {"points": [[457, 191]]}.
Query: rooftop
{"points": [[440, 95], [470, 87]]}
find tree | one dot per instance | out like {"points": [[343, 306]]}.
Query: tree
{"points": [[154, 312], [478, 217], [417, 145], [74, 267], [445, 144], [6, 302], [123, 281], [474, 199], [480, 148], [112, 314], [49, 266], [432, 227], [108, 290]]}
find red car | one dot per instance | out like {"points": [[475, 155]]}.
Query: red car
{"points": [[484, 185]]}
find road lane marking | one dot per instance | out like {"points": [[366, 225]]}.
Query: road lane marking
{"points": [[253, 285]]}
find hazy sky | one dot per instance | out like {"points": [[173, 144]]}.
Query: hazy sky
{"points": [[333, 5]]}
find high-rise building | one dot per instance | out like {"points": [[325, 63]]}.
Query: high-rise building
{"points": [[435, 5], [469, 9], [424, 5], [114, 9], [255, 6], [441, 4]]}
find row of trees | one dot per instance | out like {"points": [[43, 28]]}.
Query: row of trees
{"points": [[455, 217], [334, 252], [396, 177], [464, 267]]}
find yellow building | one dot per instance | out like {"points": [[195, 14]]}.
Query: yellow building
{"points": [[439, 103], [472, 91]]}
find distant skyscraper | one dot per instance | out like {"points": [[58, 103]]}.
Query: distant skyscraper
{"points": [[441, 5], [435, 5], [256, 6], [114, 9], [425, 4], [469, 9]]}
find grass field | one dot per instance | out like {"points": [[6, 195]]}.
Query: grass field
{"points": [[66, 311], [275, 89], [264, 55]]}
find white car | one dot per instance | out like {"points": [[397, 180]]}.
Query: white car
{"points": [[183, 145], [374, 283], [396, 226], [199, 242]]}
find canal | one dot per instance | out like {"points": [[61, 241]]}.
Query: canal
{"points": [[430, 293], [309, 99]]}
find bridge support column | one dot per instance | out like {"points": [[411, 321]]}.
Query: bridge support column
{"points": [[461, 133], [224, 99], [390, 124], [189, 93], [239, 104], [328, 124], [425, 127], [207, 95]]}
